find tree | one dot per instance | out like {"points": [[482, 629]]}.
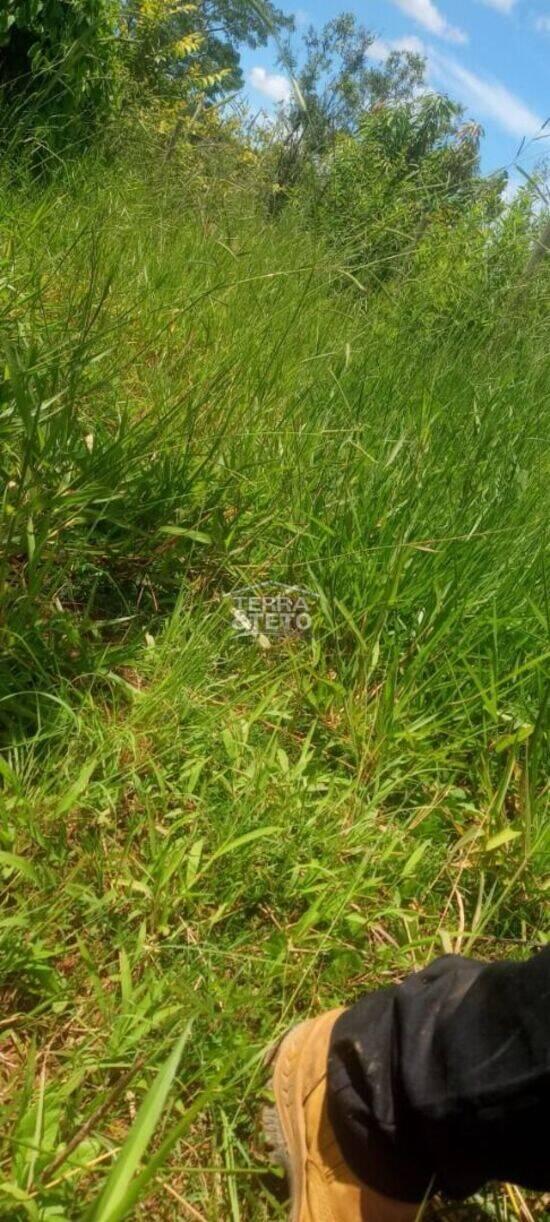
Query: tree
{"points": [[408, 166], [58, 66], [66, 65], [335, 81], [222, 26]]}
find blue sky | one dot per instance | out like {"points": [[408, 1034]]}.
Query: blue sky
{"points": [[492, 55]]}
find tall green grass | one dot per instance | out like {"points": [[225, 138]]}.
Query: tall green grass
{"points": [[196, 829]]}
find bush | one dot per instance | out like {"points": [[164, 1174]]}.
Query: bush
{"points": [[58, 72]]}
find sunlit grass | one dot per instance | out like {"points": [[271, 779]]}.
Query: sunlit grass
{"points": [[196, 829]]}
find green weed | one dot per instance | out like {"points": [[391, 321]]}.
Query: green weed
{"points": [[201, 836]]}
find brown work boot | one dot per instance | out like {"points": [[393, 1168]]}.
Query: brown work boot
{"points": [[322, 1187]]}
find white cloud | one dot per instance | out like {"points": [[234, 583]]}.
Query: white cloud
{"points": [[488, 98], [429, 16], [271, 84], [542, 24], [502, 6], [381, 47], [302, 18]]}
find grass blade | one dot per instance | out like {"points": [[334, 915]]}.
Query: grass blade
{"points": [[114, 1201]]}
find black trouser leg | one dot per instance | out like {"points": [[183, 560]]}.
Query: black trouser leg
{"points": [[442, 1083]]}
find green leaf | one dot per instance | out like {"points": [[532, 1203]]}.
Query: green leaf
{"points": [[10, 777], [31, 539], [283, 761], [193, 861], [239, 843], [446, 942], [115, 1200], [141, 1184], [501, 838], [512, 740], [13, 1190], [125, 973], [414, 859], [13, 862], [197, 536], [231, 747], [76, 789]]}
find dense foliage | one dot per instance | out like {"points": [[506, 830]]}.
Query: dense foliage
{"points": [[69, 67], [58, 64]]}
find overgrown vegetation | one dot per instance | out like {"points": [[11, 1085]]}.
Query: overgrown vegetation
{"points": [[204, 835]]}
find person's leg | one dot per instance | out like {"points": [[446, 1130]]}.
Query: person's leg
{"points": [[323, 1188], [437, 1084], [443, 1082]]}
